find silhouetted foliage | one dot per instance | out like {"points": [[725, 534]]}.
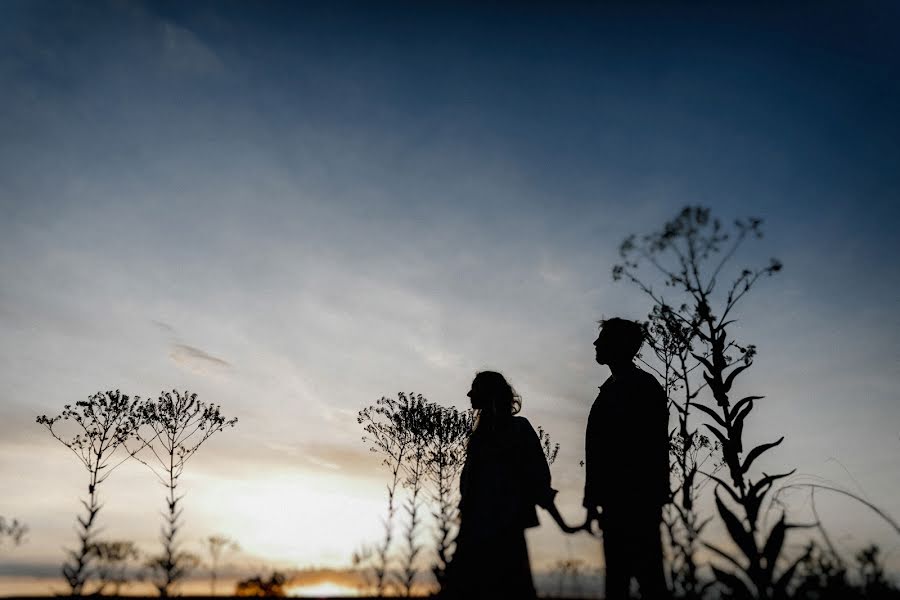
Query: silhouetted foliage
{"points": [[217, 546], [450, 428], [114, 560], [423, 445], [257, 587], [418, 421], [102, 424], [551, 449], [179, 424], [671, 343], [385, 428], [873, 582], [823, 575], [689, 253], [687, 330], [13, 530]]}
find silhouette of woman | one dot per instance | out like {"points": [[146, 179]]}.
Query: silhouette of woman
{"points": [[505, 475]]}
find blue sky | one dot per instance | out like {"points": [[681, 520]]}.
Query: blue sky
{"points": [[296, 209]]}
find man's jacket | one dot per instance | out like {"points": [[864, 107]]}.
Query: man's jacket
{"points": [[627, 444]]}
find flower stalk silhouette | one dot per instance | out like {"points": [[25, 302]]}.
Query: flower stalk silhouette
{"points": [[692, 241], [178, 425], [103, 424]]}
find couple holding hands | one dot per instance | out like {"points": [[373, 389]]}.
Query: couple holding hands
{"points": [[506, 476]]}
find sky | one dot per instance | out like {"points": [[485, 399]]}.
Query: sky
{"points": [[295, 209]]}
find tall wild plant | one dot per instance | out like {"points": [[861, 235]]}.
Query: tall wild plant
{"points": [[385, 428], [178, 425], [449, 431], [417, 419], [671, 343], [102, 424], [423, 444], [689, 255]]}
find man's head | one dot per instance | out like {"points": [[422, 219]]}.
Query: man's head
{"points": [[619, 341]]}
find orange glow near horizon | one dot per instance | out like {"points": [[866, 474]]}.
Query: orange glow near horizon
{"points": [[324, 589]]}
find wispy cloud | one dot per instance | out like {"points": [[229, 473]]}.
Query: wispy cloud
{"points": [[196, 360], [164, 327], [185, 53], [351, 459]]}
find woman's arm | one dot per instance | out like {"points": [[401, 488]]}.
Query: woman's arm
{"points": [[538, 475], [554, 512]]}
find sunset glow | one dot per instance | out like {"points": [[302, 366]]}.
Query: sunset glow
{"points": [[294, 209], [322, 590]]}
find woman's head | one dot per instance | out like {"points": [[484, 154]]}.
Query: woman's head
{"points": [[493, 397]]}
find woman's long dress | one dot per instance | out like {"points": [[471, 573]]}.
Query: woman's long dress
{"points": [[505, 476]]}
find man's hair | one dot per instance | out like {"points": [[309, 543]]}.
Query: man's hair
{"points": [[627, 335]]}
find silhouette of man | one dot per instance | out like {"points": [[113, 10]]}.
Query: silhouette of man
{"points": [[627, 464]]}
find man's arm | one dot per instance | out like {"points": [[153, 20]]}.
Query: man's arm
{"points": [[651, 410], [591, 458], [592, 463]]}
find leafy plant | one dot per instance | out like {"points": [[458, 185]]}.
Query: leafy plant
{"points": [[671, 343], [179, 424], [681, 253], [102, 424]]}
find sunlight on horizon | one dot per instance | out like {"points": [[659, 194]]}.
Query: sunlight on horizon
{"points": [[323, 589], [328, 516]]}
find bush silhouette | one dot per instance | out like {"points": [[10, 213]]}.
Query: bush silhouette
{"points": [[257, 587]]}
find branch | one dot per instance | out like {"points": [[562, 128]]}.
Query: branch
{"points": [[863, 501], [742, 234]]}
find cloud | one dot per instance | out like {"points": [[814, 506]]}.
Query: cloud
{"points": [[163, 327], [196, 360], [355, 460], [184, 52], [29, 569]]}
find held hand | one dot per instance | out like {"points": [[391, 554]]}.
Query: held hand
{"points": [[569, 528], [554, 512], [592, 516]]}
